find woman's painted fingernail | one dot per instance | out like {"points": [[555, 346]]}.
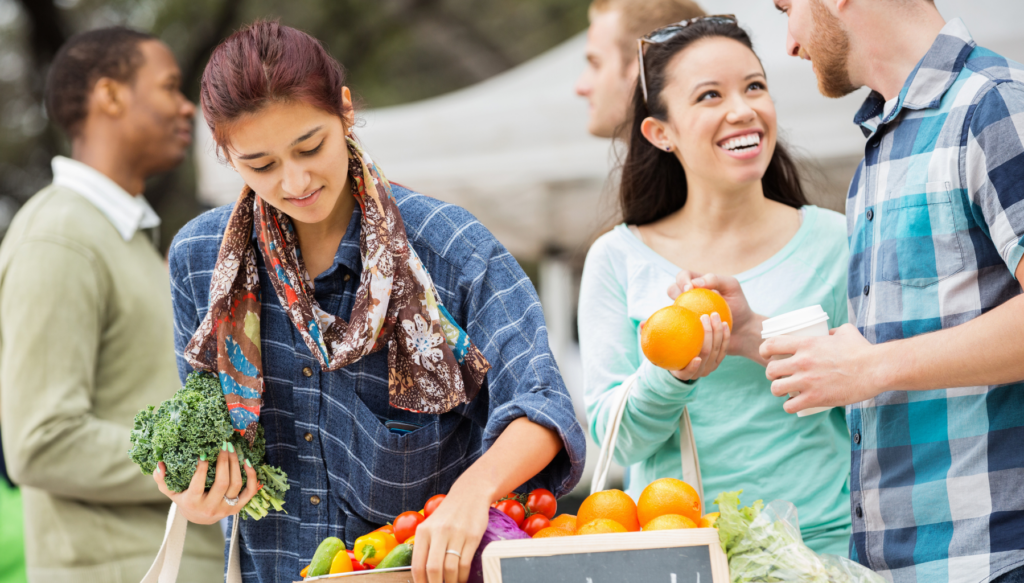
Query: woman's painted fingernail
{"points": [[224, 446], [248, 463], [202, 457], [231, 448]]}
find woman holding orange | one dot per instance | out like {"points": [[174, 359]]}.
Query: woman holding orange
{"points": [[706, 187]]}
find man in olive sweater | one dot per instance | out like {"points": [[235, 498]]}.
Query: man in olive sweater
{"points": [[85, 319]]}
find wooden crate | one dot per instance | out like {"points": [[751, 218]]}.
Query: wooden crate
{"points": [[664, 556], [396, 575]]}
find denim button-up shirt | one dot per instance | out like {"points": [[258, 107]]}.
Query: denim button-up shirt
{"points": [[349, 473]]}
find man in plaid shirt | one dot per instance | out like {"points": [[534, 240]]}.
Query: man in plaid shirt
{"points": [[931, 366]]}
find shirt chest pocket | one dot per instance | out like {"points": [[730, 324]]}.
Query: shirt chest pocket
{"points": [[920, 242]]}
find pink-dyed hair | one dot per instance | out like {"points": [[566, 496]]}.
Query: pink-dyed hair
{"points": [[266, 62]]}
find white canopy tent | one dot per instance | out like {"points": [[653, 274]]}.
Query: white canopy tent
{"points": [[514, 149], [515, 152]]}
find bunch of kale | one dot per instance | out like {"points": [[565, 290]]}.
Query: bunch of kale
{"points": [[195, 422]]}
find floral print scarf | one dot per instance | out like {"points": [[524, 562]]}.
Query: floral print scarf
{"points": [[433, 366]]}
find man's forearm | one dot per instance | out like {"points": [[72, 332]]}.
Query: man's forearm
{"points": [[985, 351]]}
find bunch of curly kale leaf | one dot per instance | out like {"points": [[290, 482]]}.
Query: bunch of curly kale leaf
{"points": [[195, 422]]}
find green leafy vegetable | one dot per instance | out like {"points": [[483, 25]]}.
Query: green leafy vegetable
{"points": [[196, 422], [764, 545]]}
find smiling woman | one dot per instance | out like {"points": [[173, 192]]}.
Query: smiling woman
{"points": [[707, 189], [353, 305]]}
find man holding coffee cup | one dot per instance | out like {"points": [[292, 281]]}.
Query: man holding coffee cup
{"points": [[931, 366]]}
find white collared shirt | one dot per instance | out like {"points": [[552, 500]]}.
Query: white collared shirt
{"points": [[127, 213]]}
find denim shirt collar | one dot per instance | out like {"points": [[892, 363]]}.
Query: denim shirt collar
{"points": [[928, 82]]}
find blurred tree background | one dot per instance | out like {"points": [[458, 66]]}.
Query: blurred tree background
{"points": [[395, 51]]}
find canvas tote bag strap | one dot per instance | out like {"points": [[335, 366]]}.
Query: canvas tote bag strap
{"points": [[165, 567], [234, 574], [687, 446], [688, 451], [604, 460]]}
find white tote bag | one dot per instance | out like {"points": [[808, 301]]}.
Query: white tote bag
{"points": [[168, 559], [687, 446]]}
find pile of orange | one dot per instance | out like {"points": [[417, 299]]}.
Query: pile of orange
{"points": [[665, 504], [674, 335]]}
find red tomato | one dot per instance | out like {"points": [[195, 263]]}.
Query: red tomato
{"points": [[535, 523], [405, 525], [543, 502], [514, 510], [432, 505]]}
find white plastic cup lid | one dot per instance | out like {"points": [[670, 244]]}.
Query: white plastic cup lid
{"points": [[793, 321]]}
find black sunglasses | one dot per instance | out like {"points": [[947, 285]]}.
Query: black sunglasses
{"points": [[667, 33]]}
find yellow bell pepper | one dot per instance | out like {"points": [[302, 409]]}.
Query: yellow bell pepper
{"points": [[303, 572], [341, 563], [409, 541], [372, 548]]}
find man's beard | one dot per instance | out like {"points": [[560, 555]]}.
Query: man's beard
{"points": [[830, 52]]}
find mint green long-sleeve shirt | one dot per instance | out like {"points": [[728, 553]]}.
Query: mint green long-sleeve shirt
{"points": [[745, 440]]}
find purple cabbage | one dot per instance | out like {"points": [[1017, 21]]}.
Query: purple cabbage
{"points": [[499, 527]]}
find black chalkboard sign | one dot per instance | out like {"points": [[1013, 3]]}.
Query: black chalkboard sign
{"points": [[671, 556]]}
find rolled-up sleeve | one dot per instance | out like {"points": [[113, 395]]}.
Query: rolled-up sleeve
{"points": [[992, 166], [505, 321]]}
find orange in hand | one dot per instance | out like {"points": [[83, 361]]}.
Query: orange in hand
{"points": [[669, 522], [668, 496], [702, 302], [611, 504], [672, 337], [601, 526]]}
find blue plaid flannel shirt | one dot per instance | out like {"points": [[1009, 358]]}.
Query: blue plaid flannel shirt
{"points": [[936, 217], [348, 472]]}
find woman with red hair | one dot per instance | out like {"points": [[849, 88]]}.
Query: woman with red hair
{"points": [[389, 346]]}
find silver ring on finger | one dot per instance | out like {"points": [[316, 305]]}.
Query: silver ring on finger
{"points": [[456, 553], [231, 501]]}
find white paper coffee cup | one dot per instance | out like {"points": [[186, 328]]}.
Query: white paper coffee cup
{"points": [[810, 321]]}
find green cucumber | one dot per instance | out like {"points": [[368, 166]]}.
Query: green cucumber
{"points": [[321, 563], [400, 556]]}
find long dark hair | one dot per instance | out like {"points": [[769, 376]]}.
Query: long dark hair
{"points": [[653, 181]]}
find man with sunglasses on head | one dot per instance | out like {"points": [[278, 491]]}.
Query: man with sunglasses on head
{"points": [[930, 368], [611, 72]]}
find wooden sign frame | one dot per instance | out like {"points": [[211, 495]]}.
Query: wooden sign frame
{"points": [[598, 543]]}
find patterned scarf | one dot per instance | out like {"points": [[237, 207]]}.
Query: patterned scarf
{"points": [[433, 367]]}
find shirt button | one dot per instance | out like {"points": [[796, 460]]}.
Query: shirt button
{"points": [[308, 372], [860, 513], [314, 500], [308, 437], [874, 144], [347, 277], [856, 438], [871, 214], [867, 289]]}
